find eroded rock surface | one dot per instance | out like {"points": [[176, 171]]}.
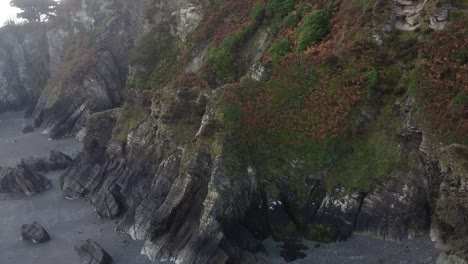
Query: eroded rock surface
{"points": [[22, 179], [92, 253], [23, 65], [34, 232], [55, 161]]}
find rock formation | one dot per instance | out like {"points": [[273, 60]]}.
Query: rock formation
{"points": [[34, 232], [23, 65], [55, 161], [144, 86], [92, 253], [22, 179]]}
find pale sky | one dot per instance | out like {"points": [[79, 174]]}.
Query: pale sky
{"points": [[6, 11]]}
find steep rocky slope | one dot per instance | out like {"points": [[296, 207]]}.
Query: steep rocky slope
{"points": [[23, 65], [238, 120]]}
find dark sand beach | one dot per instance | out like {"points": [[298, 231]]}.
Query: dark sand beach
{"points": [[68, 222]]}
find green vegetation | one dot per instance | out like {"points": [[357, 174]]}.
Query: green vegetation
{"points": [[157, 53], [372, 157], [314, 28], [372, 77], [279, 49], [319, 233], [129, 119], [284, 231], [460, 100], [222, 59], [366, 4], [81, 53], [277, 10]]}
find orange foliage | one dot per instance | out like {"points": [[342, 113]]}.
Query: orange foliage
{"points": [[444, 76], [227, 18]]}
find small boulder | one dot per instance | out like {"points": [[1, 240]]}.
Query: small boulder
{"points": [[27, 129], [91, 253], [34, 232], [292, 250], [292, 255]]}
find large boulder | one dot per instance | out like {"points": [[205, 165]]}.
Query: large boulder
{"points": [[92, 253], [34, 232], [22, 179]]}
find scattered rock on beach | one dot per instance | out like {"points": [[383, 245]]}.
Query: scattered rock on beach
{"points": [[292, 250], [34, 232], [22, 179], [91, 253], [292, 255], [27, 129]]}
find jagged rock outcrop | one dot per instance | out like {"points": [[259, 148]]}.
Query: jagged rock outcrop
{"points": [[55, 161], [99, 88], [22, 179], [449, 221], [408, 13], [111, 29], [438, 20], [23, 65], [34, 232], [92, 253], [173, 191], [159, 161]]}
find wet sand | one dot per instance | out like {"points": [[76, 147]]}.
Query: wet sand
{"points": [[14, 145], [68, 222]]}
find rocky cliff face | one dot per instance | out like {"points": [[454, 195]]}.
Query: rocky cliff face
{"points": [[145, 84], [23, 65]]}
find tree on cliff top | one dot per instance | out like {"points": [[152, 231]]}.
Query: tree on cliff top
{"points": [[35, 10]]}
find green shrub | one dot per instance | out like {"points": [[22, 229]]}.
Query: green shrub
{"points": [[314, 28], [460, 100], [372, 77], [290, 21], [129, 119], [392, 76], [279, 49], [462, 56], [157, 53], [221, 62], [319, 233], [278, 9], [372, 157]]}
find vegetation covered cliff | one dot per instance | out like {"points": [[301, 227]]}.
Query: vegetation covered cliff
{"points": [[210, 124]]}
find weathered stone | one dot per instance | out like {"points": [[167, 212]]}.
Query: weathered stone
{"points": [[395, 209], [292, 255], [23, 65], [438, 20], [27, 129], [22, 179], [92, 253], [55, 161], [408, 13], [34, 232], [337, 214]]}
